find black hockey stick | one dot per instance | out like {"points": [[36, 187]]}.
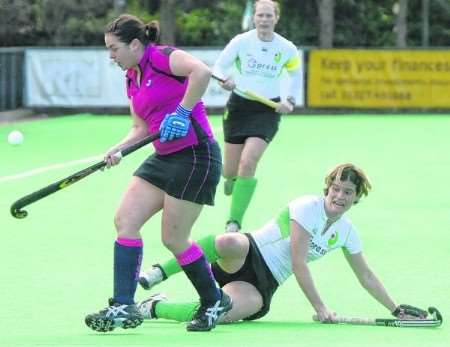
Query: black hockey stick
{"points": [[434, 321], [16, 208]]}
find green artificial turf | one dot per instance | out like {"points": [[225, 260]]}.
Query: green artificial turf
{"points": [[56, 264]]}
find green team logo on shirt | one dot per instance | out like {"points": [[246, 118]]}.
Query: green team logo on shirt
{"points": [[333, 239], [277, 57]]}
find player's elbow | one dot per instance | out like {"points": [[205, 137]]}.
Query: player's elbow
{"points": [[203, 72], [299, 267], [207, 73]]}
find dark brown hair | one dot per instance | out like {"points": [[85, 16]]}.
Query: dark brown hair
{"points": [[128, 27]]}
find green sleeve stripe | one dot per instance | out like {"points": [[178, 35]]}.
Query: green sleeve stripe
{"points": [[283, 223], [237, 62], [292, 63]]}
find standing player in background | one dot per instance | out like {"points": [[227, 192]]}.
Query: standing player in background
{"points": [[259, 56], [250, 267], [164, 87]]}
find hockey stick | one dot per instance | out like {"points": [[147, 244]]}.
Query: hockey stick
{"points": [[435, 321], [252, 95], [16, 208]]}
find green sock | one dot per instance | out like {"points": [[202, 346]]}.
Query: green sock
{"points": [[208, 244], [181, 312], [243, 190]]}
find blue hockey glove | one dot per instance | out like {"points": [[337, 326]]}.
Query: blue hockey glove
{"points": [[175, 125]]}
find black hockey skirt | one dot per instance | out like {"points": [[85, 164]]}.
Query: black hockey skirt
{"points": [[191, 174], [245, 118], [254, 271]]}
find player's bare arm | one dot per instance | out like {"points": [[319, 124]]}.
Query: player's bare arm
{"points": [[375, 288], [198, 73], [299, 250], [138, 131]]}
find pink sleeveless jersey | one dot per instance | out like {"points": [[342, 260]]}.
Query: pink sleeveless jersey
{"points": [[159, 94]]}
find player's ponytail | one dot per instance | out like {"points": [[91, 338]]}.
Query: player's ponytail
{"points": [[152, 31]]}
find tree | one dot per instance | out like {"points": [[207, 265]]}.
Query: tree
{"points": [[425, 23], [167, 21], [324, 23], [326, 20], [119, 6], [401, 25]]}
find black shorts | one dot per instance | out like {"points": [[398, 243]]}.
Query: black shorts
{"points": [[245, 118], [191, 174], [255, 272]]}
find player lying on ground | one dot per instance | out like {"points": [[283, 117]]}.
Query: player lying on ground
{"points": [[250, 267]]}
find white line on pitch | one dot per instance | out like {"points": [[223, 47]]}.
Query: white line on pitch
{"points": [[49, 168], [38, 171]]}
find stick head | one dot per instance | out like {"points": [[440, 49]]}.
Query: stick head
{"points": [[18, 213], [436, 314]]}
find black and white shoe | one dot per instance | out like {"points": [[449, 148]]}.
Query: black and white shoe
{"points": [[206, 317], [116, 315], [147, 307]]}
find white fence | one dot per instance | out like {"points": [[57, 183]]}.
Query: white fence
{"points": [[86, 77]]}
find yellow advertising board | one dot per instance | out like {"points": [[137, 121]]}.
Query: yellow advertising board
{"points": [[379, 78]]}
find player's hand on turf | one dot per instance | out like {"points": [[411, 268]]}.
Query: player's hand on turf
{"points": [[284, 107], [228, 84], [409, 312], [175, 125], [326, 315], [112, 157]]}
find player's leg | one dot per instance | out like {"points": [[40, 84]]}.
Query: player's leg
{"points": [[160, 272], [157, 306], [247, 301], [233, 270], [232, 155], [233, 250], [177, 221], [245, 183], [140, 201], [230, 248]]}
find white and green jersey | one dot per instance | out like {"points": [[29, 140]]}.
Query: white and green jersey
{"points": [[273, 240], [259, 64]]}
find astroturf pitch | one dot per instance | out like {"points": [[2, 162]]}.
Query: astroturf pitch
{"points": [[56, 265]]}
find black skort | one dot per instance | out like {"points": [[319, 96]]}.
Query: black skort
{"points": [[245, 118], [191, 174], [255, 272]]}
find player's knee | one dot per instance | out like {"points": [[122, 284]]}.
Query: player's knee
{"points": [[173, 243], [227, 243], [169, 242], [126, 226], [120, 222], [248, 165]]}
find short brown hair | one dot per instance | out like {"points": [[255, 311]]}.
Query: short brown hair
{"points": [[349, 172]]}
